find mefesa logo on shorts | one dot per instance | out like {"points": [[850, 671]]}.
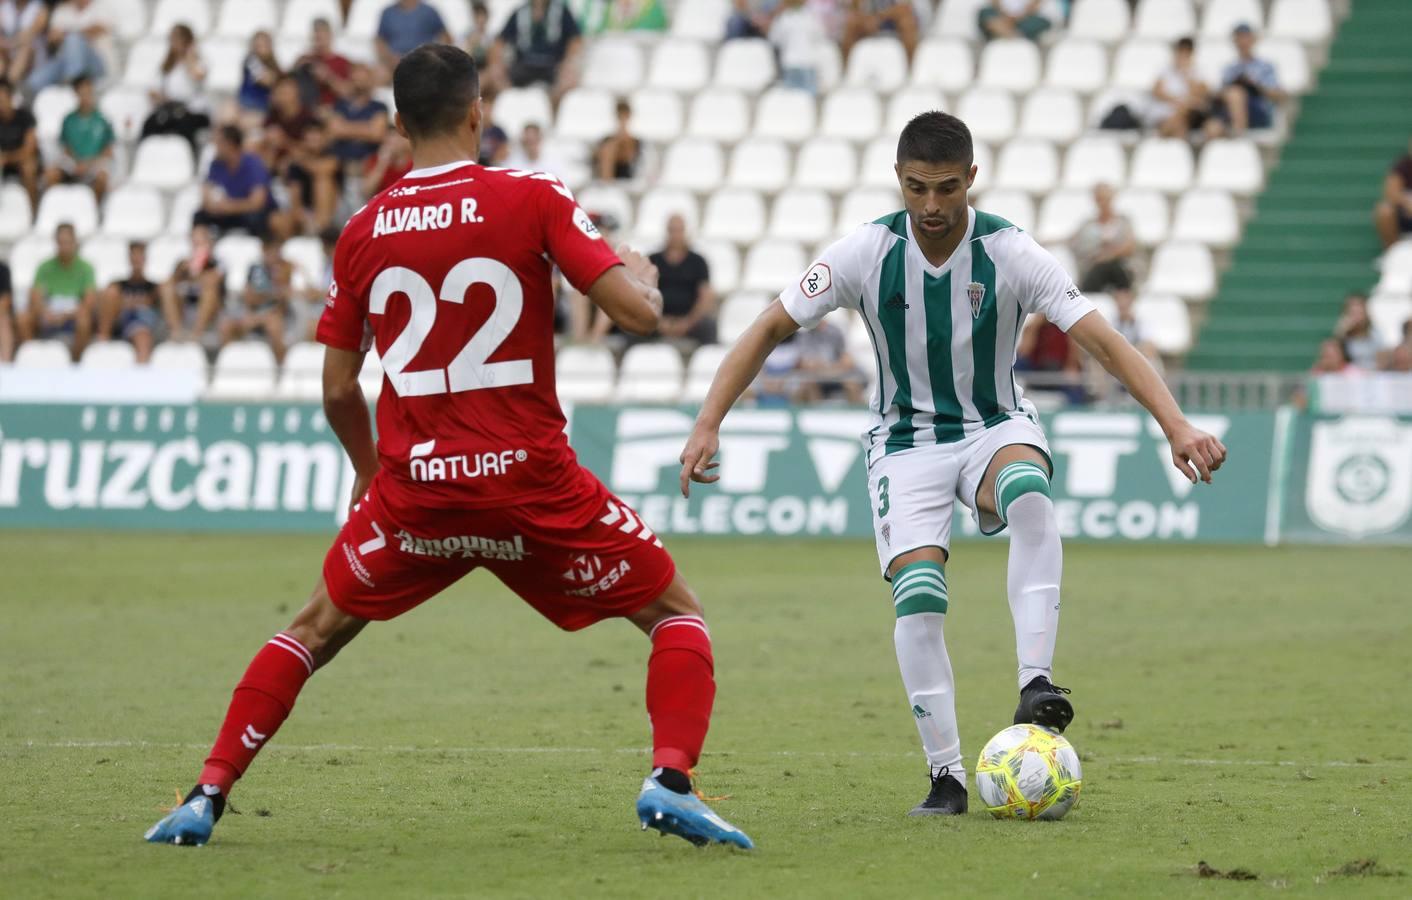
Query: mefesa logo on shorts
{"points": [[589, 571], [463, 546], [426, 467]]}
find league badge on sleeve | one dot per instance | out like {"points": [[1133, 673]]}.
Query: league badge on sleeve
{"points": [[976, 292], [817, 280]]}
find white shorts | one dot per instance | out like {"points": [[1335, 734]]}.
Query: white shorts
{"points": [[912, 491]]}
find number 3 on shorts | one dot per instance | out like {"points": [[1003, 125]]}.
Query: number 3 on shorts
{"points": [[884, 504]]}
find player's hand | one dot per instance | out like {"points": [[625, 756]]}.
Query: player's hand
{"points": [[698, 459], [639, 266], [1195, 453]]}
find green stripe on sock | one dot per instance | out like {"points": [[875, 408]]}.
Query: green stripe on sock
{"points": [[919, 587], [1016, 479]]}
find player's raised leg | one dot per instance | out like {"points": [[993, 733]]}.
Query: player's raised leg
{"points": [[262, 700], [1016, 490]]}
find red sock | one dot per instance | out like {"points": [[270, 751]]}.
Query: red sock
{"points": [[259, 706], [680, 690]]}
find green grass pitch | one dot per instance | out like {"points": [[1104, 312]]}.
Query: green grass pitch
{"points": [[1238, 706]]}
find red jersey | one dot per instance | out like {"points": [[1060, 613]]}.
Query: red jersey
{"points": [[447, 273]]}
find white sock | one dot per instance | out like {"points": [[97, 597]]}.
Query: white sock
{"points": [[919, 598], [1032, 581]]}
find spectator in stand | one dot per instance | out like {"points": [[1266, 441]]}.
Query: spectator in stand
{"points": [[94, 20], [1355, 330], [1250, 87], [543, 43], [1014, 18], [1399, 358], [19, 143], [1181, 101], [866, 18], [64, 298], [618, 154], [1046, 350], [750, 19], [129, 310], [323, 74], [259, 73], [684, 278], [358, 124], [494, 142], [179, 102], [405, 26], [192, 296], [86, 143], [531, 157], [1393, 214], [236, 194], [1104, 246], [262, 306], [67, 53], [479, 40], [22, 27], [393, 161], [797, 35], [1332, 359], [315, 178], [824, 370], [7, 316], [310, 289], [1130, 328]]}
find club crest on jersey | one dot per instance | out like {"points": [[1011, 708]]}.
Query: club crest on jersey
{"points": [[817, 280], [976, 292]]}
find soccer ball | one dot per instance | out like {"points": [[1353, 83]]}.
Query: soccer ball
{"points": [[1028, 772]]}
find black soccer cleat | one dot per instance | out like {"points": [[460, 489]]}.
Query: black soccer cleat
{"points": [[947, 796], [1043, 704]]}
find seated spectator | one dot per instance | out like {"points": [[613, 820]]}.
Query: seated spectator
{"points": [[19, 143], [129, 309], [322, 73], [261, 308], [22, 30], [289, 117], [359, 122], [1399, 358], [310, 289], [70, 49], [315, 178], [86, 143], [1014, 18], [776, 383], [63, 301], [236, 194], [1046, 349], [1355, 329], [1181, 101], [797, 35], [824, 369], [259, 73], [866, 18], [1131, 329], [7, 316], [684, 278], [530, 155], [393, 160], [618, 154], [1393, 214], [179, 103], [543, 43], [479, 40], [494, 142], [1104, 247], [1332, 359], [192, 296], [405, 26], [750, 18], [1250, 88]]}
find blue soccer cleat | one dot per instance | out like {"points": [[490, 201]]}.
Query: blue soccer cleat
{"points": [[189, 825], [686, 816]]}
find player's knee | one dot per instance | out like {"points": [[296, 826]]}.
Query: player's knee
{"points": [[323, 628], [678, 600], [1015, 481], [919, 587]]}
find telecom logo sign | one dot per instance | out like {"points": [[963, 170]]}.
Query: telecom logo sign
{"points": [[1360, 476]]}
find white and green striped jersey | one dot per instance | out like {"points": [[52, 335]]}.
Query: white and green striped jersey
{"points": [[945, 335]]}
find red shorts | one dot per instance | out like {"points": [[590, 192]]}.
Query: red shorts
{"points": [[577, 557]]}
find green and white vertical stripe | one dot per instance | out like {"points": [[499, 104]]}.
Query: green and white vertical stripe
{"points": [[1015, 479], [919, 587]]}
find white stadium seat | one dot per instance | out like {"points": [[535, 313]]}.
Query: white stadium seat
{"points": [[108, 256], [108, 355], [1164, 321], [878, 63], [224, 58], [1165, 20], [827, 163], [1138, 63], [1309, 21], [25, 256], [1027, 165], [1101, 20], [195, 14], [1291, 62], [517, 107], [299, 16], [759, 163], [1014, 206], [946, 64], [455, 15], [301, 378], [702, 20], [183, 356], [958, 18], [1208, 217], [737, 312], [163, 161], [134, 212], [1163, 164], [185, 203], [1231, 165], [802, 214], [724, 115], [990, 113], [1396, 265], [701, 370], [126, 109], [723, 259], [363, 18], [243, 370], [1389, 313], [1184, 269], [50, 106], [984, 162], [734, 214], [1219, 19], [650, 373], [1062, 213], [71, 203], [1095, 160], [43, 355], [852, 113], [585, 374], [585, 114], [307, 255], [909, 102], [694, 164], [16, 216], [164, 253], [237, 253], [242, 18], [1012, 64], [864, 204], [658, 205], [614, 64], [679, 65], [601, 197], [144, 63], [1212, 57], [129, 17], [747, 64], [1079, 65], [1053, 114], [879, 159], [770, 265], [1065, 257], [1149, 213], [785, 114]]}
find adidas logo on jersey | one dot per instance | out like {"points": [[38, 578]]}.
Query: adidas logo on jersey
{"points": [[897, 301]]}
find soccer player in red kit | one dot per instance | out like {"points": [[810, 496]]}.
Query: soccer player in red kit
{"points": [[447, 273]]}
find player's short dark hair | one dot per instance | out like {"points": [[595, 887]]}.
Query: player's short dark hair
{"points": [[935, 137], [1185, 43], [434, 87]]}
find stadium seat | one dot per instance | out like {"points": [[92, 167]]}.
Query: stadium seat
{"points": [[1164, 321], [723, 259], [1101, 20], [307, 255], [1389, 313], [185, 203], [108, 256], [164, 253], [1308, 21], [983, 160], [301, 378], [656, 206], [827, 163], [1184, 269], [16, 216], [134, 212], [517, 107], [947, 64], [1053, 114], [1206, 216], [1011, 64], [163, 161], [1163, 164], [126, 109], [737, 312], [25, 256], [747, 64], [909, 102], [108, 355], [363, 18], [1212, 57], [1027, 165], [225, 62], [71, 203], [723, 115], [1165, 20], [959, 18], [1219, 19], [456, 16], [299, 16], [49, 108], [759, 163], [701, 370], [195, 14], [129, 17], [144, 63], [879, 158], [242, 18], [802, 214], [785, 114], [1396, 263], [852, 113], [1014, 206], [585, 374], [614, 64], [864, 204], [1078, 65], [1231, 165], [990, 113], [734, 214], [179, 356], [243, 370], [650, 373], [43, 355], [877, 63], [1062, 213], [1138, 63], [770, 265], [694, 164], [679, 65], [1148, 212], [1065, 257], [585, 114], [1291, 62], [237, 253], [701, 20], [600, 197]]}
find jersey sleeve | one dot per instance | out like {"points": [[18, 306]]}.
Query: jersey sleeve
{"points": [[344, 322], [1044, 287], [833, 281], [573, 241]]}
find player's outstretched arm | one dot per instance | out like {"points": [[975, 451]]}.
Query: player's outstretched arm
{"points": [[347, 412], [628, 293], [737, 370], [1195, 453]]}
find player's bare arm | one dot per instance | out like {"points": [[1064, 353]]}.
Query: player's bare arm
{"points": [[1195, 453], [737, 371], [628, 293], [347, 414]]}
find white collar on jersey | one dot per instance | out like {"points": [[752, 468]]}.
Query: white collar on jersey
{"points": [[439, 170], [926, 263]]}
